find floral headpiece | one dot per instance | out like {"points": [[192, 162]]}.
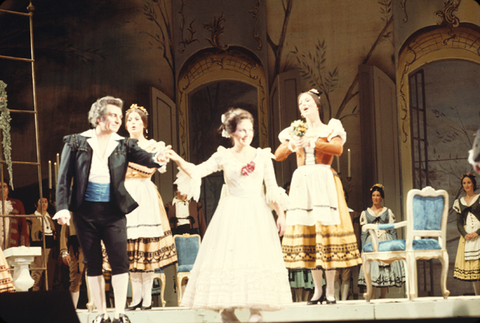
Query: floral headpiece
{"points": [[379, 186], [134, 107], [224, 119], [314, 91], [471, 175]]}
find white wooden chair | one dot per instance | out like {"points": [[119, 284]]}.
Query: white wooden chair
{"points": [[427, 214]]}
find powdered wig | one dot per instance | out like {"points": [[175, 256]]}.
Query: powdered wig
{"points": [[99, 108]]}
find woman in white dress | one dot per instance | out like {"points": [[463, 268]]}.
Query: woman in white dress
{"points": [[467, 262], [383, 275], [240, 263], [150, 242]]}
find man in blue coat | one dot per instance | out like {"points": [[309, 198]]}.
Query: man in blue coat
{"points": [[91, 185]]}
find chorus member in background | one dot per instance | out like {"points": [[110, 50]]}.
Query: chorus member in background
{"points": [[38, 234], [185, 215], [96, 161], [72, 256], [467, 262], [150, 242], [240, 263], [16, 227], [319, 234], [383, 275]]}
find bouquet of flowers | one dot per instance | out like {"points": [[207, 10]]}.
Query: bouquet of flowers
{"points": [[247, 169], [298, 128]]}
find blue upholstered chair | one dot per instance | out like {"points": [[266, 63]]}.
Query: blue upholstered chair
{"points": [[426, 225], [187, 246]]}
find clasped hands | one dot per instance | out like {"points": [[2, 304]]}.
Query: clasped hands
{"points": [[471, 235], [301, 142]]}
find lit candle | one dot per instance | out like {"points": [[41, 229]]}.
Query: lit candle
{"points": [[58, 160], [55, 166], [338, 164], [50, 174], [349, 164]]}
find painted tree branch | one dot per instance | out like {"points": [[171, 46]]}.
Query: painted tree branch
{"points": [[349, 95], [278, 49]]}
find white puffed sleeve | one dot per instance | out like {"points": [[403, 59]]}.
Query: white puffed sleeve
{"points": [[456, 206], [275, 194], [336, 130], [284, 135], [363, 218], [190, 185], [391, 216]]}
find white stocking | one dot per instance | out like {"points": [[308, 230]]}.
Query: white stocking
{"points": [[75, 296], [330, 278], [120, 286], [317, 275], [337, 289], [136, 279], [255, 315], [476, 287], [345, 289], [147, 284], [97, 290]]}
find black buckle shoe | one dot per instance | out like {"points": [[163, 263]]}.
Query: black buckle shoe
{"points": [[134, 307], [102, 318], [316, 301], [122, 319]]}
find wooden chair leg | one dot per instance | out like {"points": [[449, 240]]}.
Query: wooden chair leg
{"points": [[443, 278], [368, 279], [179, 291]]}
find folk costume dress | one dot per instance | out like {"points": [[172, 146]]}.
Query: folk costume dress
{"points": [[383, 274], [467, 262], [150, 242], [240, 263], [6, 282], [319, 231]]}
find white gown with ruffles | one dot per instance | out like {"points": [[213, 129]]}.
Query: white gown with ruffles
{"points": [[240, 262]]}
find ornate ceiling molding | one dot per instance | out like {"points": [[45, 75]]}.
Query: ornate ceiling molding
{"points": [[447, 15]]}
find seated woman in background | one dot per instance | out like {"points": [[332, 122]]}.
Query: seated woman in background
{"points": [[383, 275]]}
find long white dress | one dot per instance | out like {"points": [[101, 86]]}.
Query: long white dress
{"points": [[240, 262]]}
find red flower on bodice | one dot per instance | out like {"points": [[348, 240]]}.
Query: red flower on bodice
{"points": [[247, 169]]}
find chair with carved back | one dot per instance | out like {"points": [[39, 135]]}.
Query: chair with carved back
{"points": [[426, 225], [427, 214]]}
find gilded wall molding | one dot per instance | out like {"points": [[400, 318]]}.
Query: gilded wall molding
{"points": [[256, 36], [208, 67], [403, 6], [447, 15], [216, 28]]}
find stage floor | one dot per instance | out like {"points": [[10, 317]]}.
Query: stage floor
{"points": [[458, 308]]}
